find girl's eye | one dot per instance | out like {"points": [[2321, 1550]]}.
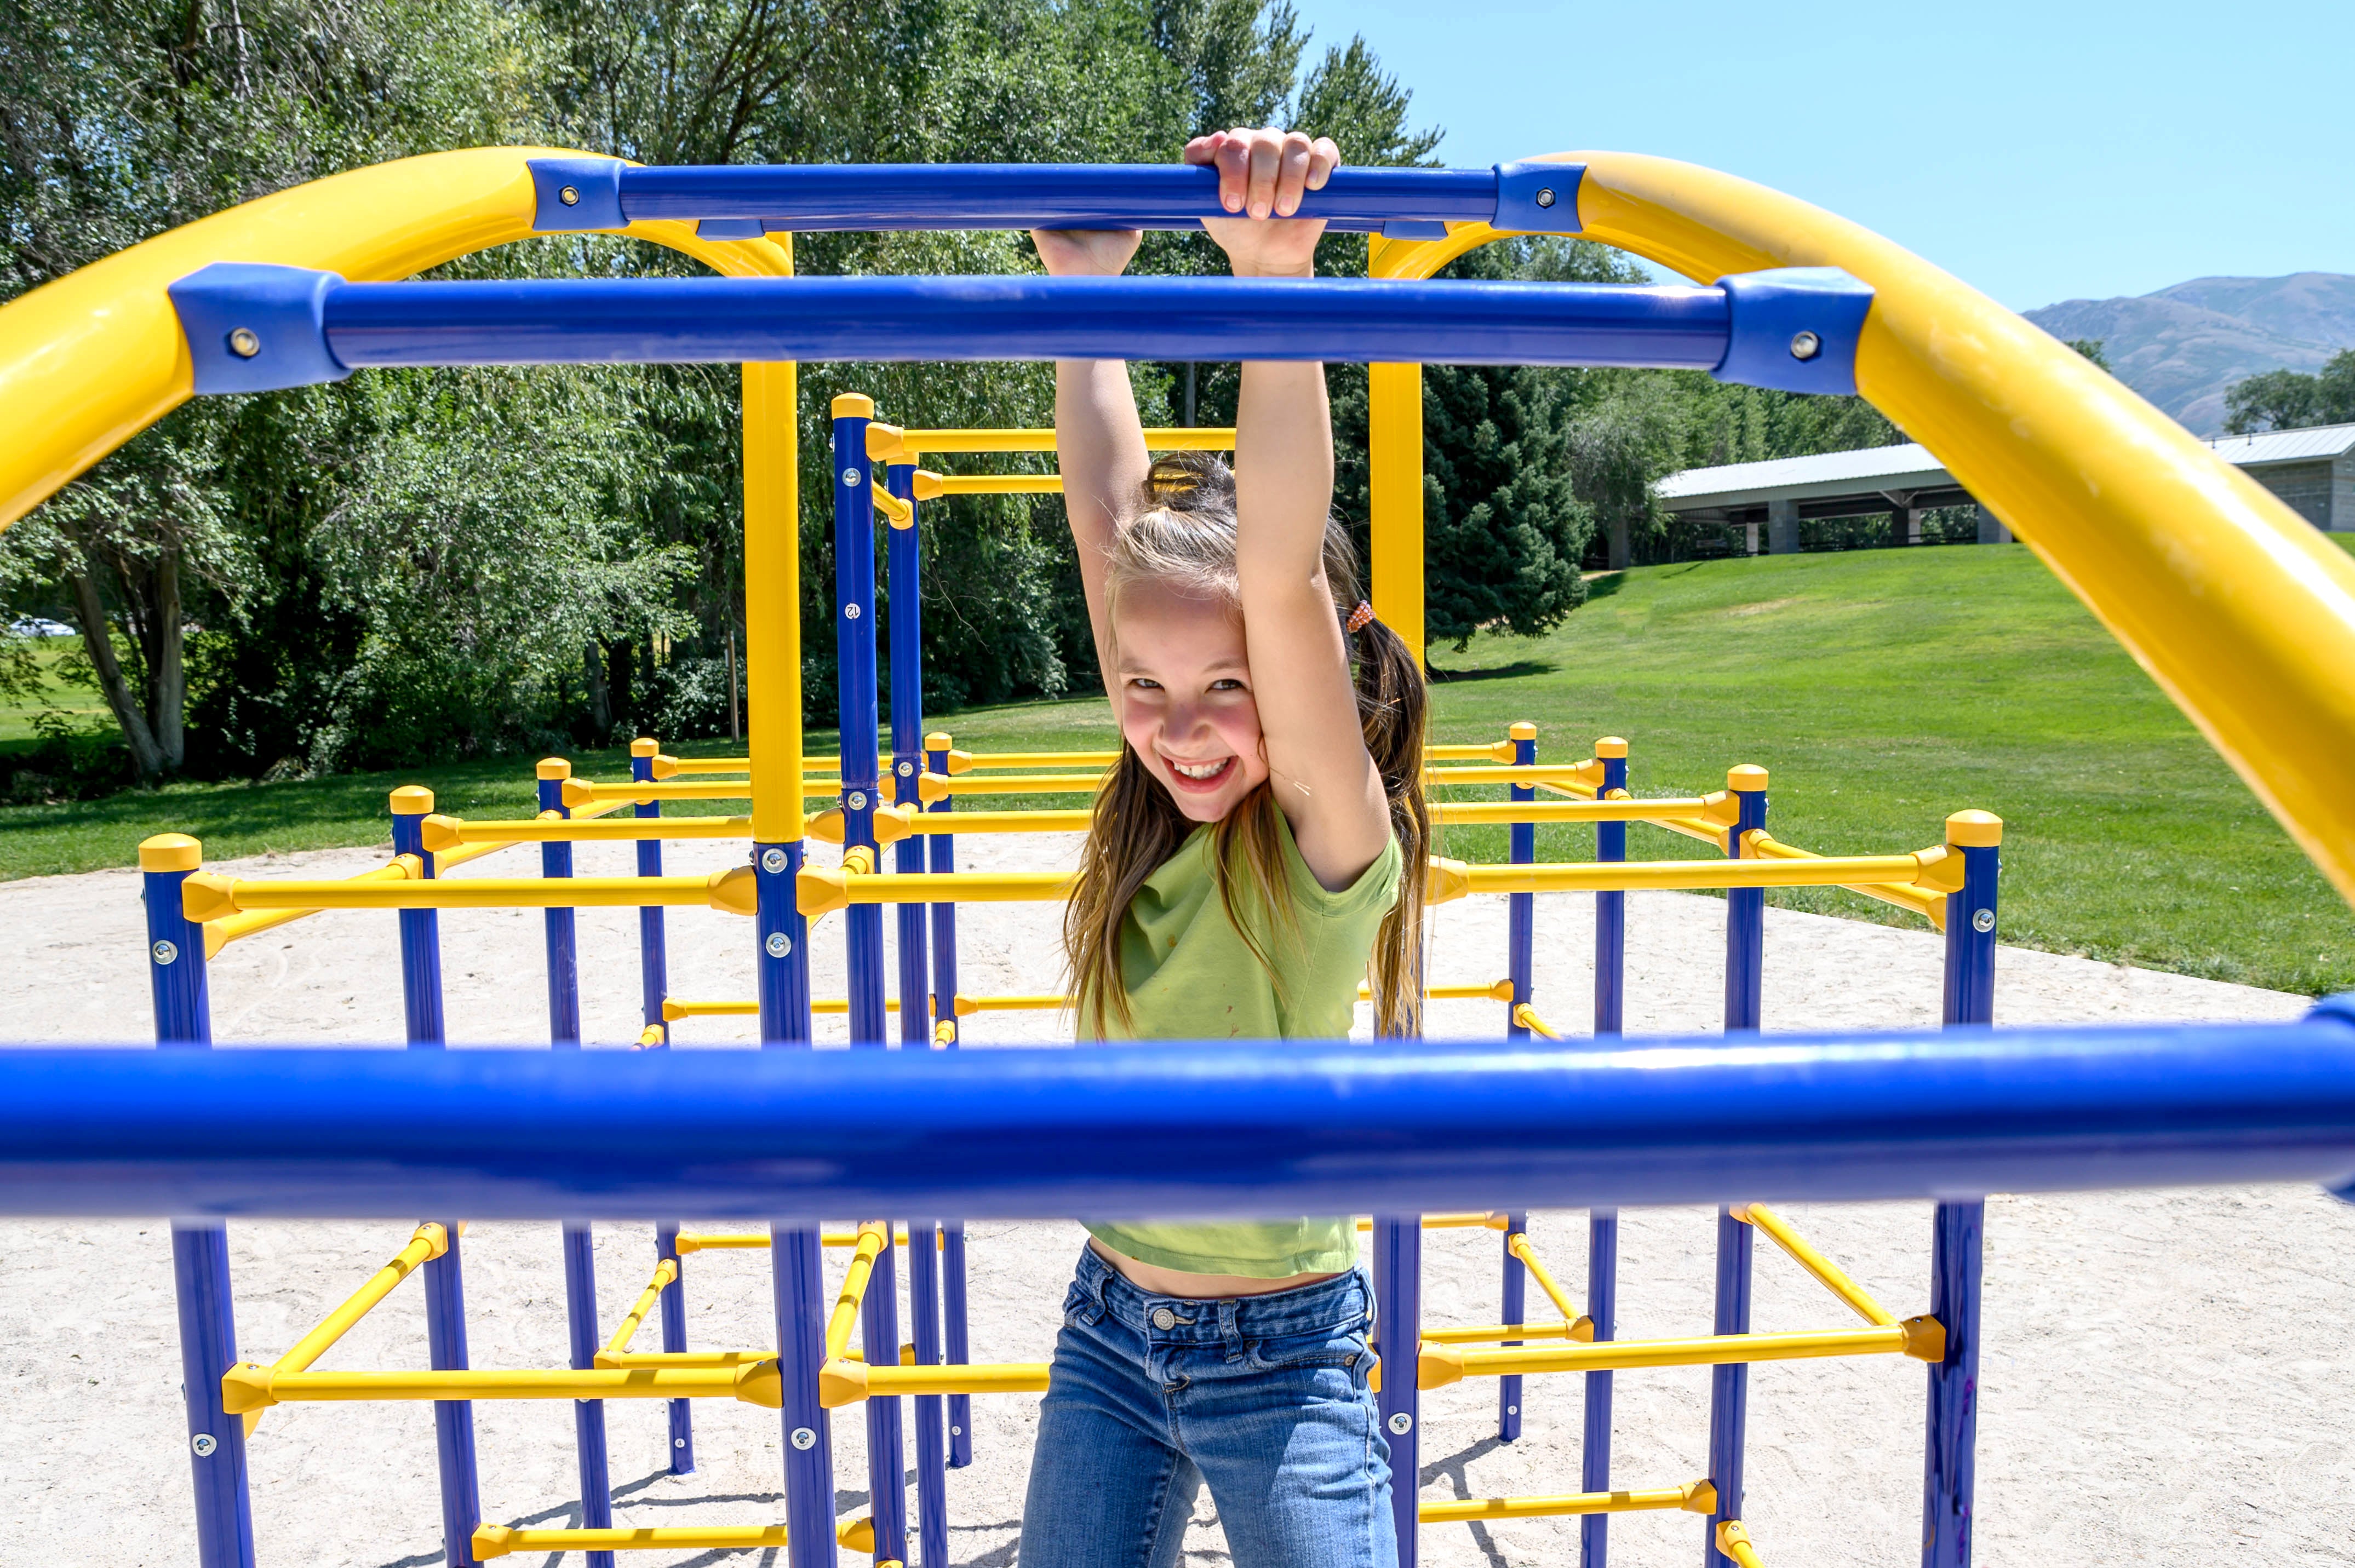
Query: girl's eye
{"points": [[1142, 684], [1227, 684]]}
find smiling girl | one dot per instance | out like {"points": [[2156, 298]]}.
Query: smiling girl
{"points": [[1242, 874]]}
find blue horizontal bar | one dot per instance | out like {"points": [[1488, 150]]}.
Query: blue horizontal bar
{"points": [[682, 321], [1301, 1127]]}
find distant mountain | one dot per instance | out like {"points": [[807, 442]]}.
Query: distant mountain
{"points": [[2182, 346]]}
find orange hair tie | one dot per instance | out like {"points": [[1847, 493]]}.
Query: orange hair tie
{"points": [[1360, 617]]}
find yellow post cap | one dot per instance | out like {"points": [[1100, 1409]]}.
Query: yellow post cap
{"points": [[554, 768], [646, 745], [1975, 830], [854, 406], [1523, 730], [170, 852], [439, 834], [939, 740], [883, 441], [1747, 777], [1611, 746], [413, 801]]}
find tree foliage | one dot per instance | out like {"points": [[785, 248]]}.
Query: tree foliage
{"points": [[2291, 400]]}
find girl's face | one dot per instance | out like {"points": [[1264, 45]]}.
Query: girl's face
{"points": [[1185, 698]]}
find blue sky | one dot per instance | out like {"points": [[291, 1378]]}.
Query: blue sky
{"points": [[2040, 152]]}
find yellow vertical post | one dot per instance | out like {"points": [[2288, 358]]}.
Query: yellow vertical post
{"points": [[1394, 464], [773, 594]]}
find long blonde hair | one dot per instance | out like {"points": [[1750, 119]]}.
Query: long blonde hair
{"points": [[1185, 539]]}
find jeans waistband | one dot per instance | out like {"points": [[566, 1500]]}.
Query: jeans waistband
{"points": [[1346, 1298]]}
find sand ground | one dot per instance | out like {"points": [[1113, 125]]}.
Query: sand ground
{"points": [[2165, 1380]]}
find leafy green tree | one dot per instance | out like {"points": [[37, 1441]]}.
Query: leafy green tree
{"points": [[2290, 399]]}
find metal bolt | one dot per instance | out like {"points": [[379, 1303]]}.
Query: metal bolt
{"points": [[850, 477], [204, 1443], [907, 770], [1805, 346], [570, 195], [678, 1442], [803, 1438], [772, 860], [1512, 1410], [1545, 195], [858, 800], [1401, 1423], [957, 1431], [243, 344], [851, 611], [1984, 921], [779, 944], [164, 952]]}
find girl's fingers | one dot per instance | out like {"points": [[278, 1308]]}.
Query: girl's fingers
{"points": [[1324, 157], [1292, 173], [1234, 159], [1204, 149], [1266, 160]]}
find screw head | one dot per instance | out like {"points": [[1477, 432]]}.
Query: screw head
{"points": [[1512, 1410], [779, 944], [772, 860], [858, 800], [1984, 921], [678, 1442], [164, 952], [803, 1438], [850, 477], [957, 1431], [570, 195], [1400, 1424], [1805, 346], [243, 343], [907, 770], [850, 612], [203, 1443], [1545, 195]]}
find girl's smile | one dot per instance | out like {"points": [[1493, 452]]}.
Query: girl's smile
{"points": [[1186, 703]]}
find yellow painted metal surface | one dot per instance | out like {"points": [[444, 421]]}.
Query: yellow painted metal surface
{"points": [[931, 486], [205, 896], [842, 1382], [500, 1541], [1693, 1497], [248, 1387], [1159, 439], [666, 1274], [1394, 467], [1735, 1542], [873, 1237], [1443, 1364], [1526, 1017], [1778, 1230], [1520, 1247]]}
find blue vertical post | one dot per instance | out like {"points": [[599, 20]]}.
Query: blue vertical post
{"points": [[579, 1241], [1949, 1463], [653, 945], [1728, 1386], [1610, 909], [200, 1282], [945, 1032], [932, 1455], [1516, 1302], [1602, 1308], [861, 718], [674, 1341], [1398, 1328], [445, 1288], [1745, 908]]}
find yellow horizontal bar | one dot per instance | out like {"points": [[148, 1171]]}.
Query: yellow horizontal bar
{"points": [[822, 888], [1492, 751], [682, 1358], [250, 923], [1068, 820], [499, 1540], [933, 787], [431, 1241], [1165, 439], [1693, 1497], [931, 486], [842, 1381], [446, 832], [756, 1240], [1494, 1333], [580, 792], [1501, 813], [665, 1274], [1588, 772], [1778, 1230], [1933, 867], [679, 764], [1444, 1364], [1495, 990], [674, 1009], [207, 897], [249, 1387], [1481, 1222], [1930, 906], [983, 761]]}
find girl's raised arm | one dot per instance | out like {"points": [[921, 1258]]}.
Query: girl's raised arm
{"points": [[1323, 780], [1099, 439]]}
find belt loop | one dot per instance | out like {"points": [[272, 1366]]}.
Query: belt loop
{"points": [[1230, 1319]]}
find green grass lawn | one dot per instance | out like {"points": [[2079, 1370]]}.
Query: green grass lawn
{"points": [[1882, 689]]}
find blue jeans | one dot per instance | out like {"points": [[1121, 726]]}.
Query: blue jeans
{"points": [[1264, 1397]]}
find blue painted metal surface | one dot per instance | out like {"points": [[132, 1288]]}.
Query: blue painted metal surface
{"points": [[1515, 1292], [816, 198], [799, 1278], [943, 918], [859, 706], [1728, 1386], [932, 1452], [1520, 911], [175, 963], [654, 945], [1745, 926], [453, 1419], [1300, 1127], [960, 1339], [588, 1414], [216, 1439], [1595, 1456], [1398, 1330], [1611, 917], [1795, 329], [562, 932], [256, 327], [673, 1340], [421, 946], [781, 945], [887, 1448], [904, 556]]}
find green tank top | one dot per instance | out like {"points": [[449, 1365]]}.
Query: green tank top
{"points": [[1190, 976]]}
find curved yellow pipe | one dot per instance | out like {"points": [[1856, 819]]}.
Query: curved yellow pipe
{"points": [[2241, 610], [91, 359]]}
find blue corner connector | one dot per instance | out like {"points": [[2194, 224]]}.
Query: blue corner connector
{"points": [[1795, 329], [253, 327], [730, 228], [1538, 198], [573, 195]]}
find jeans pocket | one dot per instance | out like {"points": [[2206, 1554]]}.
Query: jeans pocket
{"points": [[1081, 1308], [1339, 1347]]}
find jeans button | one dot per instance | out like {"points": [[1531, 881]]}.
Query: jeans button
{"points": [[1164, 1318]]}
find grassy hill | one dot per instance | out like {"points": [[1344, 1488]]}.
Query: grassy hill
{"points": [[1882, 689]]}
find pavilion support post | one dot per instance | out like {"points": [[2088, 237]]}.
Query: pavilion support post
{"points": [[1782, 529]]}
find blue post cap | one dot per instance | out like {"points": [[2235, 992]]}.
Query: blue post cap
{"points": [[1795, 329], [254, 327], [1538, 198], [572, 194]]}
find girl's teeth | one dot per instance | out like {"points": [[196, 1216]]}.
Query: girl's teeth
{"points": [[1199, 770]]}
